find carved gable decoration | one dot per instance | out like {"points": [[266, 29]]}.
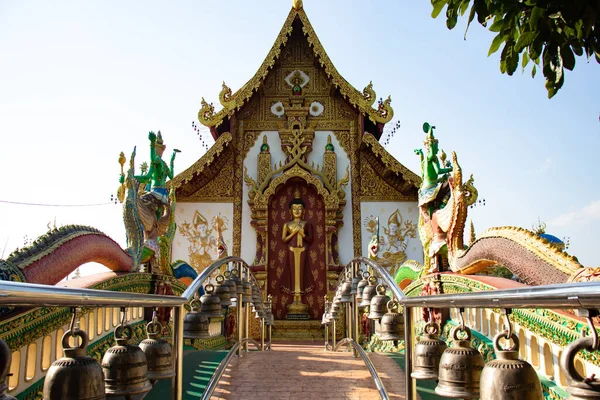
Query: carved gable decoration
{"points": [[297, 56], [209, 178], [383, 178]]}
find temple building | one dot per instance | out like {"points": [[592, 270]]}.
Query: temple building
{"points": [[297, 128]]}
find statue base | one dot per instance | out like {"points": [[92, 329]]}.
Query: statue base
{"points": [[302, 331], [297, 311]]}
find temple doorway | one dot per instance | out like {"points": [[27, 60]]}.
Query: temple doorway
{"points": [[314, 256]]}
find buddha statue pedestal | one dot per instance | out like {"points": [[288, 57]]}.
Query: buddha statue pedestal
{"points": [[297, 310]]}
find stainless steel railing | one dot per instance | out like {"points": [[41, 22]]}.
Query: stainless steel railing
{"points": [[578, 296], [27, 294]]}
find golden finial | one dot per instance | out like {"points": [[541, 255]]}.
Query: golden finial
{"points": [[297, 4], [122, 160]]}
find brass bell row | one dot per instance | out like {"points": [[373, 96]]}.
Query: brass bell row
{"points": [[125, 370], [462, 373]]}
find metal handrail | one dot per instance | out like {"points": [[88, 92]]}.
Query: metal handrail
{"points": [[29, 294], [584, 295], [192, 289], [368, 363], [385, 276], [218, 374], [570, 295]]}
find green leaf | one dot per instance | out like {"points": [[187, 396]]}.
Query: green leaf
{"points": [[525, 39], [536, 48], [463, 6], [533, 71], [525, 59], [483, 14], [498, 40], [497, 25], [568, 59], [535, 16], [471, 17], [438, 6], [451, 15]]}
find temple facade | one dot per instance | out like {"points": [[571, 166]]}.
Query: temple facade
{"points": [[297, 130]]}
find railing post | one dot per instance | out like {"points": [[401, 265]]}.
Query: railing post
{"points": [[355, 307], [177, 381], [411, 389], [247, 317], [333, 334], [262, 334], [239, 312], [326, 335]]}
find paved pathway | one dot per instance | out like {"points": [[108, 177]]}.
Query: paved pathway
{"points": [[305, 371]]}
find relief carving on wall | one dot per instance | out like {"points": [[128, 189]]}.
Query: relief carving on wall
{"points": [[203, 244], [394, 241]]}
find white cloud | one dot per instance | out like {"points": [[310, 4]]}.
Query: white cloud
{"points": [[588, 213]]}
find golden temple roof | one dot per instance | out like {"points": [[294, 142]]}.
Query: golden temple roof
{"points": [[231, 103]]}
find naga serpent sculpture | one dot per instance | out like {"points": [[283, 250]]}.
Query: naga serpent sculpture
{"points": [[53, 256]]}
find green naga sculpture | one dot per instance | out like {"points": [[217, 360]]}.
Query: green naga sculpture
{"points": [[433, 174], [153, 210], [433, 197]]}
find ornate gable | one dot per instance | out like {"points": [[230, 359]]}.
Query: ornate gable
{"points": [[309, 54]]}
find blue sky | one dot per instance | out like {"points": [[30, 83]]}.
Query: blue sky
{"points": [[82, 81]]}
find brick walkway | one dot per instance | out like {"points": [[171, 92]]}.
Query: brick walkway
{"points": [[303, 371]]}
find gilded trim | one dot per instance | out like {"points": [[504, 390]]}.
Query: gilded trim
{"points": [[203, 162], [538, 246], [390, 162], [207, 116]]}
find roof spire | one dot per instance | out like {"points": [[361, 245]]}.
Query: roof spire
{"points": [[297, 4]]}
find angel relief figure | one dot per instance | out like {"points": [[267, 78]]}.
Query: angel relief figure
{"points": [[394, 242], [202, 242]]}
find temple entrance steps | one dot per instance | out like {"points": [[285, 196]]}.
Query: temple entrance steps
{"points": [[305, 331], [301, 370]]}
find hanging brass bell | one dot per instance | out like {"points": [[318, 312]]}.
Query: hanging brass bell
{"points": [[460, 368], [346, 290], [580, 388], [369, 292], [158, 353], [428, 352], [75, 376], [247, 292], [211, 303], [195, 323], [378, 305], [361, 286], [392, 323], [222, 290], [507, 377], [235, 277], [231, 285], [125, 366]]}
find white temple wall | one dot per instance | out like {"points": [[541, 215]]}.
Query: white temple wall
{"points": [[398, 243], [196, 237], [345, 240], [248, 251]]}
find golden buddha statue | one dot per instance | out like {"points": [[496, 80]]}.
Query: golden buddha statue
{"points": [[298, 234]]}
